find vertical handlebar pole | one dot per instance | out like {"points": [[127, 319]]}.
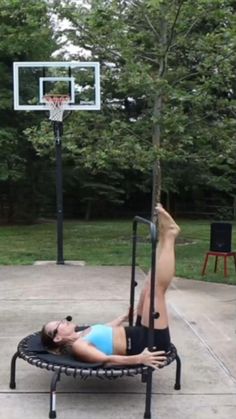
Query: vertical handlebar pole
{"points": [[152, 313], [133, 266], [153, 234]]}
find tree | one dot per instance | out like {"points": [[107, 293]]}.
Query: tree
{"points": [[177, 59], [26, 35]]}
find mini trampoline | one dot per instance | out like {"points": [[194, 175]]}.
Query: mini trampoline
{"points": [[31, 350]]}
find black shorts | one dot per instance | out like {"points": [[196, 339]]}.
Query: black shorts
{"points": [[137, 339]]}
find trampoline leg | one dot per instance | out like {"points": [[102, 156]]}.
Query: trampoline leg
{"points": [[144, 377], [52, 411], [12, 384], [147, 413], [178, 373]]}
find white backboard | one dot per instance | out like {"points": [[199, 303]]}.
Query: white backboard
{"points": [[79, 80]]}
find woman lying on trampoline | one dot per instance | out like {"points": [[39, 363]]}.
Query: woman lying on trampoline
{"points": [[112, 343]]}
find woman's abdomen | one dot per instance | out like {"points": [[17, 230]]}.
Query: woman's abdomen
{"points": [[119, 341]]}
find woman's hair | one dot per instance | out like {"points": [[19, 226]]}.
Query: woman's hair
{"points": [[47, 340], [56, 347]]}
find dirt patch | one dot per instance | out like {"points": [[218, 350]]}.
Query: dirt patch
{"points": [[181, 241]]}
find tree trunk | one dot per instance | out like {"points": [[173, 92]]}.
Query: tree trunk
{"points": [[234, 208], [157, 110], [156, 140], [88, 210]]}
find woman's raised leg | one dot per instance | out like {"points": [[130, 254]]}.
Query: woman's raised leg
{"points": [[165, 269]]}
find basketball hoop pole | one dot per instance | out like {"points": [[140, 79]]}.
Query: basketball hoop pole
{"points": [[58, 131], [56, 107]]}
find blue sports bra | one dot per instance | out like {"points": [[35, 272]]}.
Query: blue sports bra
{"points": [[101, 336]]}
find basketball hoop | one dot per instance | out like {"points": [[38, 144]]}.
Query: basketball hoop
{"points": [[56, 105]]}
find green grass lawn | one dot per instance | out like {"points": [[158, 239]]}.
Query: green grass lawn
{"points": [[109, 243]]}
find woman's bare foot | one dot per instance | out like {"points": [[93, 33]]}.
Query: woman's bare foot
{"points": [[166, 222]]}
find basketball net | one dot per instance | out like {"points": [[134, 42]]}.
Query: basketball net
{"points": [[56, 105]]}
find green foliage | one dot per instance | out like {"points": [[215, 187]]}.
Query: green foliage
{"points": [[25, 24], [180, 51], [25, 35]]}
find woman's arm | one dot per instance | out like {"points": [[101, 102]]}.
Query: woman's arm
{"points": [[89, 353], [121, 319], [118, 321], [152, 359]]}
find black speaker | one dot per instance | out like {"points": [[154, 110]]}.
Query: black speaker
{"points": [[221, 235]]}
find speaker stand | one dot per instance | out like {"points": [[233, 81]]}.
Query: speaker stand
{"points": [[225, 255]]}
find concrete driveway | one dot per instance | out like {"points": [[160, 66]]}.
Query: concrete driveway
{"points": [[202, 321]]}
